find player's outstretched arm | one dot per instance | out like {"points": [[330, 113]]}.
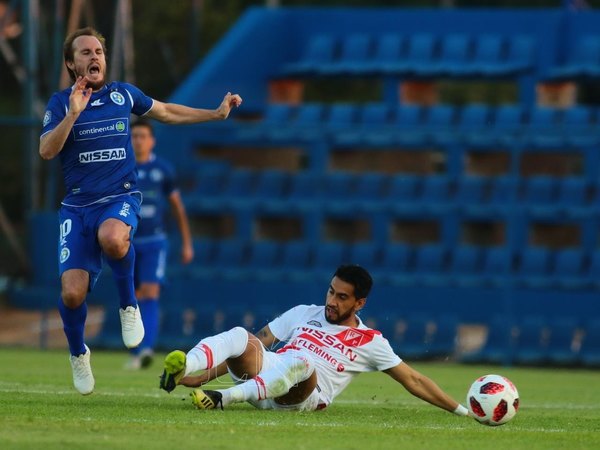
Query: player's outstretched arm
{"points": [[174, 113], [424, 388]]}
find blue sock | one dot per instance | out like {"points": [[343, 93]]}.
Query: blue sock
{"points": [[150, 316], [74, 324], [123, 275]]}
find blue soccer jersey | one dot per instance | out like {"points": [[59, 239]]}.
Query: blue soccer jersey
{"points": [[156, 180], [97, 158]]}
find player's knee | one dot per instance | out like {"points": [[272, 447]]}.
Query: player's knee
{"points": [[73, 295], [114, 247]]}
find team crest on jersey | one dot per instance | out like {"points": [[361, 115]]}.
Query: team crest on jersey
{"points": [[117, 98], [47, 118], [316, 323], [64, 254]]}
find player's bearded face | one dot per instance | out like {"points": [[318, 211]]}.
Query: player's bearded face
{"points": [[89, 61], [340, 304]]}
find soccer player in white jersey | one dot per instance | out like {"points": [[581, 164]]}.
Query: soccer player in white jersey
{"points": [[325, 347], [87, 127]]}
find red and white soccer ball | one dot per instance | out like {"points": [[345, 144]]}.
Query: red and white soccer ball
{"points": [[493, 400]]}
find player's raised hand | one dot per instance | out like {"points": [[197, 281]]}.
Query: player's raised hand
{"points": [[80, 95], [229, 101]]}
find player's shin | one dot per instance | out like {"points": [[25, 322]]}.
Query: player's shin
{"points": [[73, 325], [213, 350], [123, 275]]}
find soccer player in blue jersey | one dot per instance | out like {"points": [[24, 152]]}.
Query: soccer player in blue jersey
{"points": [[87, 127], [156, 180]]}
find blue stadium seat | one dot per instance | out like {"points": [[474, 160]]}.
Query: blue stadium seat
{"points": [[531, 344], [396, 258], [371, 187], [276, 115], [413, 342], [455, 51], [239, 183], [569, 268], [295, 255], [584, 60], [573, 192], [521, 55], [178, 328], [354, 54], [209, 181], [497, 266], [471, 190], [539, 190], [465, 265], [534, 267], [577, 126], [365, 254], [328, 256], [405, 121], [387, 52], [271, 184], [304, 186], [543, 130], [338, 186], [372, 118], [395, 54], [430, 264], [503, 193], [488, 57], [507, 121], [499, 344], [228, 254], [341, 117], [321, 49], [443, 342], [436, 193], [305, 125], [589, 353], [404, 188], [561, 349], [475, 116], [263, 254], [420, 53]]}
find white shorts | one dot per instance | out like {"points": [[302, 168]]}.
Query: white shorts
{"points": [[312, 403]]}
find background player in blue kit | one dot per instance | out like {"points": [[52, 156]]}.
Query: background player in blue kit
{"points": [[87, 126], [156, 180]]}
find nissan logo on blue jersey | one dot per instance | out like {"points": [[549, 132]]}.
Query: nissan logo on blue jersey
{"points": [[109, 154], [100, 129]]}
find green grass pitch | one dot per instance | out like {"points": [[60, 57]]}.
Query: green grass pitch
{"points": [[39, 409]]}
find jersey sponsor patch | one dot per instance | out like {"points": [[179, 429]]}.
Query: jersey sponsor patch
{"points": [[108, 154], [101, 129]]}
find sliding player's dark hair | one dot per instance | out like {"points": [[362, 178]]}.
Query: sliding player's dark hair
{"points": [[357, 277]]}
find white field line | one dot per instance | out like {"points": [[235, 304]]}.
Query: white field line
{"points": [[11, 387]]}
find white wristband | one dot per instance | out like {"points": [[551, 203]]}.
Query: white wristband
{"points": [[461, 410]]}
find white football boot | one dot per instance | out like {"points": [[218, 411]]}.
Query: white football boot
{"points": [[83, 379], [132, 327]]}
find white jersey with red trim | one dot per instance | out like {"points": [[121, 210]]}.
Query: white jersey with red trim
{"points": [[339, 352]]}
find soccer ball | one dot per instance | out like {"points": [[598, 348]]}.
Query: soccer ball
{"points": [[493, 400]]}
